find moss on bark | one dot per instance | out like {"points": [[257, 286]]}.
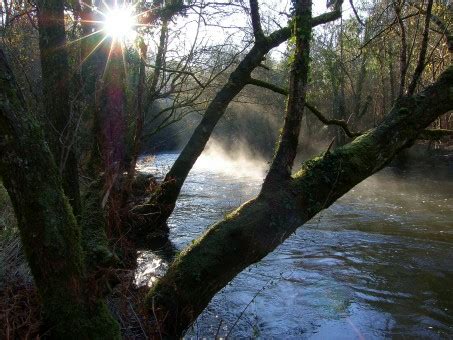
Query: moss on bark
{"points": [[260, 225], [49, 232]]}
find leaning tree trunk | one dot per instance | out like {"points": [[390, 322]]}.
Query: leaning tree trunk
{"points": [[160, 206], [50, 235], [247, 235], [150, 218]]}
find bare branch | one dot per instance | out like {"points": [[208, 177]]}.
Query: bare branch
{"points": [[428, 134], [256, 20], [356, 13], [341, 123], [435, 134], [403, 54], [177, 71], [268, 86], [388, 27], [440, 24], [328, 17], [338, 122], [424, 46]]}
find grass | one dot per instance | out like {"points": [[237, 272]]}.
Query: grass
{"points": [[20, 312], [9, 239], [7, 218]]}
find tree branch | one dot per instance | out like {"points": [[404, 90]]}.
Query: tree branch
{"points": [[328, 17], [440, 24], [435, 134], [422, 56], [256, 20], [256, 228], [281, 166], [428, 134], [341, 123], [356, 13], [338, 122], [403, 53], [269, 86], [165, 69]]}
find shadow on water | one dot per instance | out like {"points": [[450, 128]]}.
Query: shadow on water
{"points": [[376, 264]]}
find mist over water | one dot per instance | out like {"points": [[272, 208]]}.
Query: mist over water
{"points": [[376, 264], [237, 163]]}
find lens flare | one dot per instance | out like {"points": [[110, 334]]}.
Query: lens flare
{"points": [[120, 22]]}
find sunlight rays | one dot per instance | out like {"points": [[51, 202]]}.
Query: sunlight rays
{"points": [[93, 50], [120, 21], [117, 24]]}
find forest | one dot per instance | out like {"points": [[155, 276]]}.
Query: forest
{"points": [[226, 169]]}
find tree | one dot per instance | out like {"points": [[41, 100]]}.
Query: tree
{"points": [[286, 202], [68, 256], [162, 203], [49, 231]]}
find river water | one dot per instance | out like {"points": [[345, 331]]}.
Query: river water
{"points": [[376, 264]]}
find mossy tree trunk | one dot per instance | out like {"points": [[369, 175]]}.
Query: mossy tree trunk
{"points": [[283, 161], [150, 218], [73, 303], [260, 225], [56, 79], [161, 205]]}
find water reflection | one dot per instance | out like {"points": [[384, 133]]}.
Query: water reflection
{"points": [[376, 264], [152, 266]]}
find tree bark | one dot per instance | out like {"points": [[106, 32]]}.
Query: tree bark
{"points": [[403, 53], [161, 204], [150, 219], [247, 235], [49, 231], [56, 80], [283, 161]]}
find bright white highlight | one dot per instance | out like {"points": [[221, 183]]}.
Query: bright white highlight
{"points": [[238, 163], [119, 22]]}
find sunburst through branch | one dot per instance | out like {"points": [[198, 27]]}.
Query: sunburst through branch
{"points": [[118, 23]]}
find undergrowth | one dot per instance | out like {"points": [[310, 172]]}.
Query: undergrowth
{"points": [[20, 311], [20, 306]]}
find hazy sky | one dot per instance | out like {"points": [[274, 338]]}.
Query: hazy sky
{"points": [[235, 27]]}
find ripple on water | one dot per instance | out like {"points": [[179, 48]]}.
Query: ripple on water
{"points": [[376, 264]]}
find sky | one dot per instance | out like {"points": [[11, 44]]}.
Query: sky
{"points": [[236, 26]]}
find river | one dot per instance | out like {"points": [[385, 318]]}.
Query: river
{"points": [[376, 264]]}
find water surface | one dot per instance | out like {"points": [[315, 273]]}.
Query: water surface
{"points": [[376, 264]]}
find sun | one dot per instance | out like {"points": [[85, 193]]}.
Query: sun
{"points": [[120, 22]]}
